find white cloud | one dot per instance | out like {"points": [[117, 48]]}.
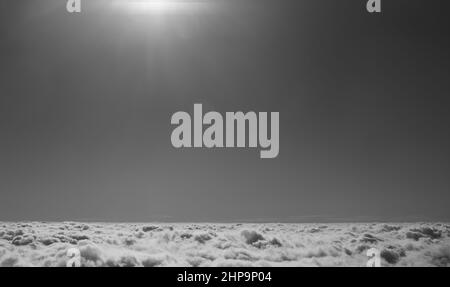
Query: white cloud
{"points": [[46, 244]]}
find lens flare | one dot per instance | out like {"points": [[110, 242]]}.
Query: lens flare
{"points": [[161, 6]]}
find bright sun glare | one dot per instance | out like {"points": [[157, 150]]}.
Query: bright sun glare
{"points": [[159, 6]]}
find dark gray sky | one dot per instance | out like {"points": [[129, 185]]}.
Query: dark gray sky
{"points": [[86, 101]]}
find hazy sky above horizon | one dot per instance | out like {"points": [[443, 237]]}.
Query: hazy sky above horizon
{"points": [[86, 101]]}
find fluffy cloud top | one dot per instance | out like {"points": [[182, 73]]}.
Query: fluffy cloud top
{"points": [[46, 244]]}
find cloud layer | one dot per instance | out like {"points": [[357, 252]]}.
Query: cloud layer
{"points": [[151, 245]]}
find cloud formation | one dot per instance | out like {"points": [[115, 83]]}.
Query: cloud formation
{"points": [[129, 245]]}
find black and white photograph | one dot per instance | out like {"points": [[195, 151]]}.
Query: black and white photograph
{"points": [[224, 133]]}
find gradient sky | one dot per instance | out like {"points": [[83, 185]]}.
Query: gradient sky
{"points": [[86, 101]]}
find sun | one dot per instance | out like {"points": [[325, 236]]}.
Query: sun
{"points": [[159, 6]]}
